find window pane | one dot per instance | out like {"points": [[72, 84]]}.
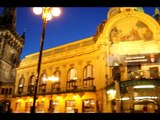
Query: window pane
{"points": [[28, 106], [70, 106], [57, 76], [2, 92], [88, 71], [44, 78], [40, 107], [85, 73], [72, 74], [32, 80], [54, 107], [21, 82], [88, 105], [10, 91], [6, 92], [17, 107]]}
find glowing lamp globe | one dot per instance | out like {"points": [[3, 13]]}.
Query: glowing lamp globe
{"points": [[56, 11], [37, 10]]}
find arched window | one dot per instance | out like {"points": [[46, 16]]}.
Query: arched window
{"points": [[72, 74], [2, 91], [32, 80], [57, 75], [56, 81], [21, 82], [43, 78], [88, 76], [6, 92], [31, 83], [88, 72], [10, 91], [72, 78], [43, 82], [21, 85]]}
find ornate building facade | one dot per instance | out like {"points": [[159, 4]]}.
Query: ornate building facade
{"points": [[116, 70], [11, 45]]}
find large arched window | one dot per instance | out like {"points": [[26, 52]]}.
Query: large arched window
{"points": [[72, 74], [57, 76], [31, 83], [72, 78], [21, 82], [43, 82], [88, 72], [43, 79], [21, 85], [56, 81], [88, 76], [32, 80]]}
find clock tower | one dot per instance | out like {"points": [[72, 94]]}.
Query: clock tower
{"points": [[11, 45]]}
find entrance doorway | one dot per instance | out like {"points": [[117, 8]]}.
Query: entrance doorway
{"points": [[146, 106], [5, 106]]}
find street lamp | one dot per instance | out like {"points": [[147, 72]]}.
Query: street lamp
{"points": [[47, 14]]}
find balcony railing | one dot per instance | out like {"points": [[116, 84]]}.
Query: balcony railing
{"points": [[59, 90]]}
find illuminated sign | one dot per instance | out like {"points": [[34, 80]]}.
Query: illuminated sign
{"points": [[134, 59], [139, 58]]}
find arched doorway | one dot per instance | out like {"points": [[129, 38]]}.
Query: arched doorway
{"points": [[5, 106], [145, 106]]}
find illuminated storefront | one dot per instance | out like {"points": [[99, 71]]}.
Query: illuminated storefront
{"points": [[134, 48]]}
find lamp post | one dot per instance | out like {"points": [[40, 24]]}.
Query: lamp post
{"points": [[47, 13]]}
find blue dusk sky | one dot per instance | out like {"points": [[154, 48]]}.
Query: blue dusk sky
{"points": [[74, 23]]}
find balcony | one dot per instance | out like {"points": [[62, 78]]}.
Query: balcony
{"points": [[60, 90], [71, 85]]}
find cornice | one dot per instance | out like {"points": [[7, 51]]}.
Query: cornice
{"points": [[12, 38], [9, 28]]}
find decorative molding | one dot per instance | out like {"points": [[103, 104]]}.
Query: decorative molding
{"points": [[74, 46]]}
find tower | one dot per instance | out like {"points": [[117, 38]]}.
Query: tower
{"points": [[157, 15], [11, 45]]}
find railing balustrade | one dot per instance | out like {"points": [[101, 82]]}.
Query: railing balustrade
{"points": [[25, 92]]}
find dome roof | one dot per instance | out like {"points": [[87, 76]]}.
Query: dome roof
{"points": [[115, 10]]}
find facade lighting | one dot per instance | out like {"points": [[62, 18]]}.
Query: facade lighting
{"points": [[144, 86], [111, 91], [145, 97]]}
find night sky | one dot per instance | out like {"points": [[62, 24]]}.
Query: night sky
{"points": [[74, 23]]}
